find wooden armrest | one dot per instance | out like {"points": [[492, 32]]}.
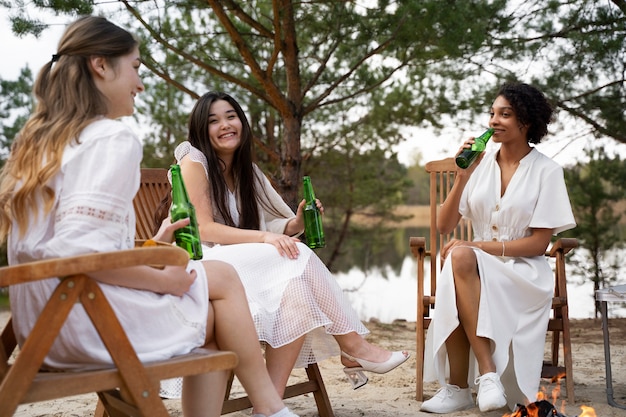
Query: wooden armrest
{"points": [[418, 245], [82, 264], [564, 245], [139, 243]]}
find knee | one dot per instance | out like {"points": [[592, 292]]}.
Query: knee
{"points": [[463, 262], [223, 276]]}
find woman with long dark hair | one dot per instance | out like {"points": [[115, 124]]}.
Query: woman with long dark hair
{"points": [[300, 312]]}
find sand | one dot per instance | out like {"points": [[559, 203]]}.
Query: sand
{"points": [[393, 394]]}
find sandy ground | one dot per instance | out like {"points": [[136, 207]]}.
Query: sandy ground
{"points": [[393, 394]]}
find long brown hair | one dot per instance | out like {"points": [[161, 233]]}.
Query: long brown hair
{"points": [[242, 168], [67, 101]]}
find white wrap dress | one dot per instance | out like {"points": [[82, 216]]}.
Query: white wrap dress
{"points": [[93, 212], [516, 292]]}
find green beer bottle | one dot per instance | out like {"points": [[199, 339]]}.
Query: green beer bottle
{"points": [[469, 155], [313, 229], [187, 237]]}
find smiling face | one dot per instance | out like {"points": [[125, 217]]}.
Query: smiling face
{"points": [[119, 82], [224, 128], [505, 122]]}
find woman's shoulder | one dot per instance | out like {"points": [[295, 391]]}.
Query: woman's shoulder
{"points": [[107, 133], [539, 159], [185, 151], [106, 127]]}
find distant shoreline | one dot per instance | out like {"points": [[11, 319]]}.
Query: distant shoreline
{"points": [[419, 216]]}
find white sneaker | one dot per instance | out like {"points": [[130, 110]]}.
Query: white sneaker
{"points": [[449, 399], [490, 392], [285, 412]]}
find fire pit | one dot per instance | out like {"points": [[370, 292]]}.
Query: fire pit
{"points": [[544, 408]]}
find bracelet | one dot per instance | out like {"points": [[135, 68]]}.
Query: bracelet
{"points": [[502, 248]]}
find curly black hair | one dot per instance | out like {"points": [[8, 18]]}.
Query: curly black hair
{"points": [[531, 107]]}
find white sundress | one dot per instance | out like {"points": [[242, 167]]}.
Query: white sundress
{"points": [[288, 298], [93, 212], [516, 292]]}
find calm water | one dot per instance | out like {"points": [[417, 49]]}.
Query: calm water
{"points": [[394, 297]]}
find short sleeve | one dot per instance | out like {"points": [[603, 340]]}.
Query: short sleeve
{"points": [[185, 148], [553, 209]]}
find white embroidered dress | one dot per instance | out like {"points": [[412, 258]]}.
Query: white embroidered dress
{"points": [[288, 298], [516, 292], [93, 212]]}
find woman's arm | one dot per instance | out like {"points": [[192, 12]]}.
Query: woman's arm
{"points": [[197, 186], [529, 246], [173, 280], [449, 216]]}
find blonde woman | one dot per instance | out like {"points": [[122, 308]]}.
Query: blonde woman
{"points": [[67, 189]]}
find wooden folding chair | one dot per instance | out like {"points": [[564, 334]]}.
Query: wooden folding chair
{"points": [[154, 187], [130, 388], [441, 180]]}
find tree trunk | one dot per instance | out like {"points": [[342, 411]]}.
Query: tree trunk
{"points": [[291, 162]]}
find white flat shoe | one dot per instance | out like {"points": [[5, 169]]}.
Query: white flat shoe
{"points": [[355, 373]]}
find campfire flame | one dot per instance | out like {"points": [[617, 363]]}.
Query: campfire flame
{"points": [[544, 408], [587, 411]]}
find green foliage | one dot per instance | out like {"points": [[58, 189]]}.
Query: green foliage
{"points": [[419, 192], [15, 108], [169, 110], [359, 190], [319, 74], [23, 24], [595, 188]]}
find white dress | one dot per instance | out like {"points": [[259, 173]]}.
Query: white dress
{"points": [[93, 212], [516, 292], [288, 298]]}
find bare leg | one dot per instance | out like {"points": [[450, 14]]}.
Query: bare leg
{"points": [[235, 331], [280, 361], [317, 281], [203, 394], [458, 347], [323, 287], [467, 286]]}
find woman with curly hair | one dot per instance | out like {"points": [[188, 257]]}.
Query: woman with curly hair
{"points": [[494, 293]]}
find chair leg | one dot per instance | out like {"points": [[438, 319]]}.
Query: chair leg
{"points": [[322, 401], [419, 367], [567, 357], [100, 410]]}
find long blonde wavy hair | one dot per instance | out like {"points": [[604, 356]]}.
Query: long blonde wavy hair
{"points": [[67, 101]]}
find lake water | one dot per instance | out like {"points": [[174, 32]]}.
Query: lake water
{"points": [[394, 297]]}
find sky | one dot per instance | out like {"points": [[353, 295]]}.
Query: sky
{"points": [[564, 147]]}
